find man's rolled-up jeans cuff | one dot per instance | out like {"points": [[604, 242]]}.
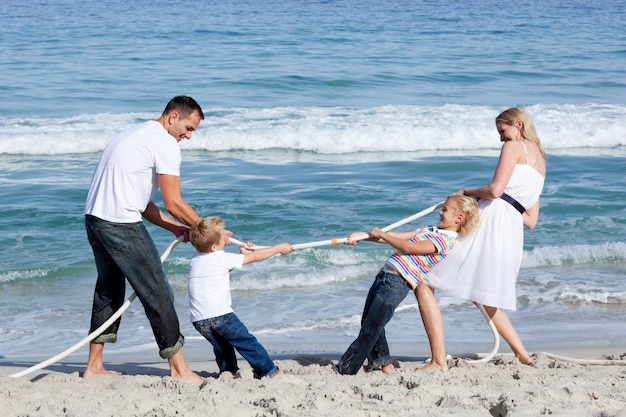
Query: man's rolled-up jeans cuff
{"points": [[106, 338], [171, 351]]}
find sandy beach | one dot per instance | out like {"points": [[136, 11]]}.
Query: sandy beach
{"points": [[309, 386]]}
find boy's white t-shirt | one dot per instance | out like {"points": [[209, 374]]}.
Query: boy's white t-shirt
{"points": [[209, 283], [126, 178]]}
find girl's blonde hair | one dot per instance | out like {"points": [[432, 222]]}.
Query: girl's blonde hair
{"points": [[528, 131], [206, 232], [469, 207]]}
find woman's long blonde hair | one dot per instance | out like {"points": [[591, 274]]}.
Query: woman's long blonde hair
{"points": [[514, 114]]}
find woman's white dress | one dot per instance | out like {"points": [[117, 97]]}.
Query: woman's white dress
{"points": [[483, 266]]}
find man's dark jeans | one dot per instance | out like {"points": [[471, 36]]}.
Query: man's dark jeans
{"points": [[126, 251]]}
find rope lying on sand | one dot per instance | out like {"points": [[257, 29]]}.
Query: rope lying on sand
{"points": [[334, 241]]}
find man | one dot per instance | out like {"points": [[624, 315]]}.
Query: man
{"points": [[132, 168]]}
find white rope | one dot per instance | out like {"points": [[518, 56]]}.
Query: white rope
{"points": [[494, 332], [585, 361], [580, 361], [99, 330], [336, 241], [496, 340]]}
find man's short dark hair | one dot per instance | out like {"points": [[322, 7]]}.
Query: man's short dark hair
{"points": [[185, 106]]}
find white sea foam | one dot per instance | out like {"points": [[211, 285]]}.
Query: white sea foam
{"points": [[574, 254], [330, 130], [6, 276], [309, 325]]}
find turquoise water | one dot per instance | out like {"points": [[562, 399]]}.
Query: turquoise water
{"points": [[323, 118]]}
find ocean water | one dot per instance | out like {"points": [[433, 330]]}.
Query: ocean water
{"points": [[322, 118]]}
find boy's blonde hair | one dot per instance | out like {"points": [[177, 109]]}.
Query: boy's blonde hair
{"points": [[206, 232], [469, 207]]}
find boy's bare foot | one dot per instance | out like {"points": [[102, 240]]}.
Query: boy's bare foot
{"points": [[387, 369]]}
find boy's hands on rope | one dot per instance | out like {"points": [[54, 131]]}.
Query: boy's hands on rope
{"points": [[285, 248], [246, 247], [282, 248]]}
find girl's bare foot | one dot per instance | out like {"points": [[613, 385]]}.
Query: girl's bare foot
{"points": [[525, 359], [387, 369]]}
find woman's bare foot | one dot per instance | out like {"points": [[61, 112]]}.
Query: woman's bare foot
{"points": [[89, 372], [433, 365], [525, 359], [387, 369]]}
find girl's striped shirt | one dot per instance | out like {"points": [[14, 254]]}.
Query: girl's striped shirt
{"points": [[414, 267]]}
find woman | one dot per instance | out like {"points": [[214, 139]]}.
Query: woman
{"points": [[483, 267]]}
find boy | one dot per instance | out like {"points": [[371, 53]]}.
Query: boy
{"points": [[210, 304], [417, 253]]}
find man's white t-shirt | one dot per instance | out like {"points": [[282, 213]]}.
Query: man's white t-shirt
{"points": [[209, 284], [126, 178]]}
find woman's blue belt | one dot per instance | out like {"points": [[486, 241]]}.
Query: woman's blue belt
{"points": [[513, 202]]}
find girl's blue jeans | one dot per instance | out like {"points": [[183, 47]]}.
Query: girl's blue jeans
{"points": [[385, 294], [227, 333], [126, 251]]}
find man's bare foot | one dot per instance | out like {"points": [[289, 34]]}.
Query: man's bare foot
{"points": [[180, 370], [189, 376], [95, 364], [433, 365], [387, 369]]}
